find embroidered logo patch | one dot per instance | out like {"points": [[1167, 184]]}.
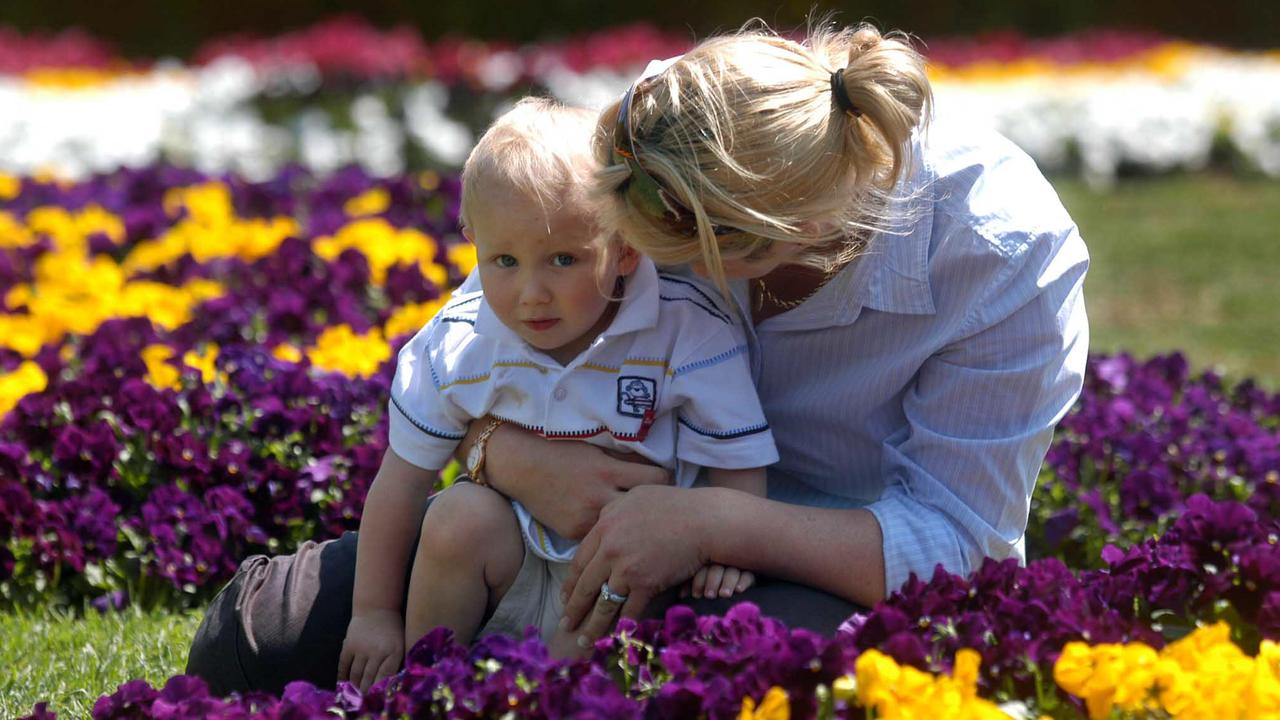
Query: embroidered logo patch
{"points": [[636, 394]]}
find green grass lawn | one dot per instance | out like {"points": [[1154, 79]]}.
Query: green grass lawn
{"points": [[68, 662], [1187, 263]]}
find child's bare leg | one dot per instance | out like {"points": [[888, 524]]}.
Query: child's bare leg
{"points": [[467, 559]]}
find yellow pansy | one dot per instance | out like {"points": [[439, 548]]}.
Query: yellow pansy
{"points": [[411, 318], [10, 186], [165, 305], [965, 671], [774, 706], [18, 296], [437, 274], [206, 204], [382, 244], [463, 256], [340, 349], [204, 361], [210, 231], [1203, 675], [70, 231], [23, 334], [258, 238], [96, 219], [13, 234], [26, 379], [894, 691], [287, 353], [370, 202], [151, 254], [160, 373]]}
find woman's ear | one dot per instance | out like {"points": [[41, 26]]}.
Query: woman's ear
{"points": [[470, 236], [628, 259]]}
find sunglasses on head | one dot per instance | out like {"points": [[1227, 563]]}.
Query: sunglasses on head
{"points": [[649, 194]]}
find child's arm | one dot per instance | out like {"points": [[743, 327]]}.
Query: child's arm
{"points": [[374, 645], [718, 580], [751, 480]]}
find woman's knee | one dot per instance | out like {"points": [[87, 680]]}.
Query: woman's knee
{"points": [[465, 518]]}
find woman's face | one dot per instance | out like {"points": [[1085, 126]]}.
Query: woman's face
{"points": [[755, 265]]}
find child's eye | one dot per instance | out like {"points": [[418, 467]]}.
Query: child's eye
{"points": [[504, 261], [563, 260]]}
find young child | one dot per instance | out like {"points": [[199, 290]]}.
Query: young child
{"points": [[573, 336]]}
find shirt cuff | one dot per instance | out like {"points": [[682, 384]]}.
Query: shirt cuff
{"points": [[418, 443], [724, 452], [917, 539]]}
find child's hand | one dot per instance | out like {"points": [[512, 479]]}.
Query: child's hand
{"points": [[720, 581], [373, 649]]}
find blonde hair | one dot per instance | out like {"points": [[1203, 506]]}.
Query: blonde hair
{"points": [[539, 147], [744, 132], [542, 149]]}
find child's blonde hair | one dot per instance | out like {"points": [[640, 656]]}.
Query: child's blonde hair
{"points": [[539, 147], [542, 149], [744, 133]]}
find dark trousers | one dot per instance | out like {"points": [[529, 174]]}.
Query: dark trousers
{"points": [[284, 618]]}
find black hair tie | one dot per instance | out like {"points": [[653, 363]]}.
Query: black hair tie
{"points": [[841, 94]]}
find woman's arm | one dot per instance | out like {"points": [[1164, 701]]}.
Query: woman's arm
{"points": [[652, 538], [839, 551], [563, 483]]}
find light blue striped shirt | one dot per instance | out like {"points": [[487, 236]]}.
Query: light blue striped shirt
{"points": [[924, 381]]}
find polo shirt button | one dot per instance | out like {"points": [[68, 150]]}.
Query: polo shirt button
{"points": [[560, 393]]}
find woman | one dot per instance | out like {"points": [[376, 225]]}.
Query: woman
{"points": [[914, 290]]}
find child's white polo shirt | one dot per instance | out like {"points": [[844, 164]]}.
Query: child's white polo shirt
{"points": [[668, 379]]}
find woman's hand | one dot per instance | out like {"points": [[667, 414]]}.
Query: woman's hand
{"points": [[647, 540], [563, 483]]}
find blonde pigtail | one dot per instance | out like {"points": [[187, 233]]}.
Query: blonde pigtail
{"points": [[885, 79], [744, 134]]}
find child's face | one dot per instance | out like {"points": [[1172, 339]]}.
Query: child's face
{"points": [[539, 271]]}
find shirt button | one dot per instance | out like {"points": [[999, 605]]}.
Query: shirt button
{"points": [[560, 393]]}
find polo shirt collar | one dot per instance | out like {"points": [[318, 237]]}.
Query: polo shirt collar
{"points": [[638, 310]]}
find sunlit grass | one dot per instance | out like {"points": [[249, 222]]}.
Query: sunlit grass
{"points": [[68, 662], [1187, 263]]}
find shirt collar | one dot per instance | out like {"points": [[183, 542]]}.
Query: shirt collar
{"points": [[638, 310], [893, 274]]}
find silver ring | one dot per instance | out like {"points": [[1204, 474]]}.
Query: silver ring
{"points": [[608, 595]]}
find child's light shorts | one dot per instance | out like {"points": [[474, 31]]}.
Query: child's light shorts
{"points": [[533, 599]]}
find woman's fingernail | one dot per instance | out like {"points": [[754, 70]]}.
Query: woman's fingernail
{"points": [[583, 642], [564, 623]]}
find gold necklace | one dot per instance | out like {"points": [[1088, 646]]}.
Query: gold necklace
{"points": [[764, 293]]}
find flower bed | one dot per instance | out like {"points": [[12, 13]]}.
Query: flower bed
{"points": [[194, 368], [1096, 103]]}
